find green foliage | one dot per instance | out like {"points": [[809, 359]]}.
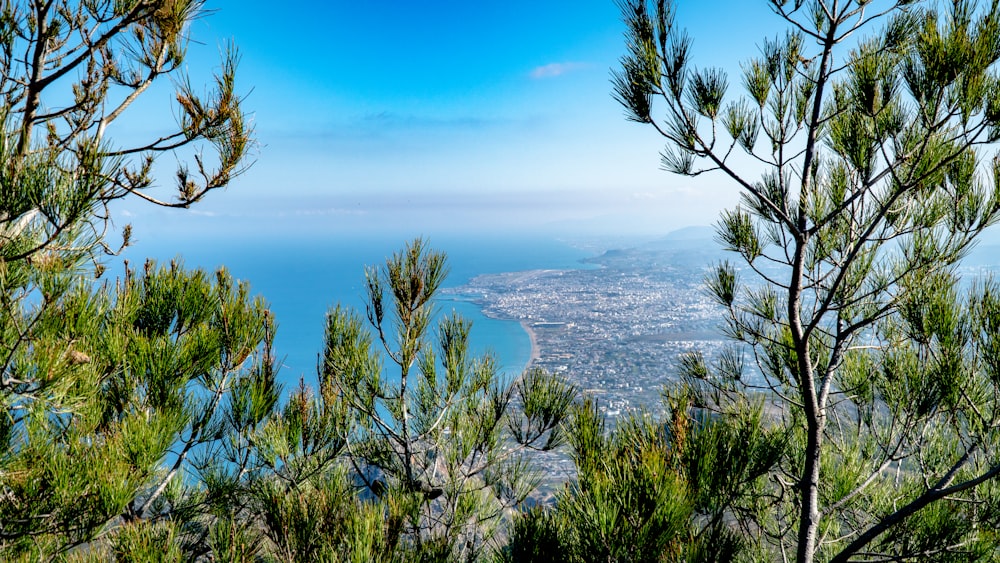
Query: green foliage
{"points": [[627, 505], [142, 420], [110, 392], [653, 492], [442, 437], [322, 520], [144, 423], [875, 361], [231, 541], [146, 542], [537, 536], [126, 384]]}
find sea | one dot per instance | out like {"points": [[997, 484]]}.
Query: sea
{"points": [[303, 278]]}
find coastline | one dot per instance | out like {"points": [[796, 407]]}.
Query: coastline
{"points": [[535, 352], [515, 363]]}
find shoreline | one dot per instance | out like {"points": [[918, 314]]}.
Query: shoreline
{"points": [[535, 352], [481, 306]]}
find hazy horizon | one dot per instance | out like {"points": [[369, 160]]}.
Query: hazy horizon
{"points": [[457, 115]]}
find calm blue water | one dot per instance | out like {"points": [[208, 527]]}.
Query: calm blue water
{"points": [[302, 279]]}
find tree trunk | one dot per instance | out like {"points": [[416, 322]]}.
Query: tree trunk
{"points": [[813, 410], [809, 490]]}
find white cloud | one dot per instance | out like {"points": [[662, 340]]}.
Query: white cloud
{"points": [[552, 70]]}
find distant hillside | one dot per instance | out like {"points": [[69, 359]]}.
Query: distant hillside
{"points": [[702, 232], [694, 246], [690, 248]]}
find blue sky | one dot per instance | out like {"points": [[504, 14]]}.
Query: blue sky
{"points": [[444, 115]]}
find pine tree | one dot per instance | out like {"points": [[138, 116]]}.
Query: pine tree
{"points": [[873, 122], [113, 394], [142, 418], [443, 435]]}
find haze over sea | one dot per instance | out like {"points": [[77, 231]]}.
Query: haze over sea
{"points": [[303, 278]]}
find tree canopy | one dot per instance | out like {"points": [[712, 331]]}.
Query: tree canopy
{"points": [[874, 124], [113, 394], [854, 417], [142, 418]]}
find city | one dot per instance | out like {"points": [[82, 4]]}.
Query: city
{"points": [[614, 329]]}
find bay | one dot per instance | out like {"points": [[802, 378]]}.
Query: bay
{"points": [[303, 278]]}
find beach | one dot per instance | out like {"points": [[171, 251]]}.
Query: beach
{"points": [[535, 352]]}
